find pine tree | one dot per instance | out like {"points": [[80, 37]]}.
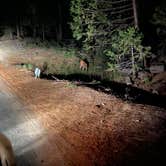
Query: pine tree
{"points": [[90, 24], [102, 27], [94, 21]]}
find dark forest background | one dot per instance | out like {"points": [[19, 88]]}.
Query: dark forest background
{"points": [[49, 19], [107, 39], [32, 17], [98, 44]]}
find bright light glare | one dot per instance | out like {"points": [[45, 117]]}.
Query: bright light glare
{"points": [[26, 136]]}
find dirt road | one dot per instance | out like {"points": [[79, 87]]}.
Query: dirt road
{"points": [[20, 126], [66, 125], [53, 123]]}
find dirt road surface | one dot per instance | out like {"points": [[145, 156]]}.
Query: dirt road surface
{"points": [[20, 126], [57, 123]]}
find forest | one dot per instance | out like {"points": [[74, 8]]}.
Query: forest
{"points": [[83, 82], [94, 31]]}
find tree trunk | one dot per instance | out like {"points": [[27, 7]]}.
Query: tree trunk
{"points": [[59, 32], [34, 31], [11, 33], [34, 21], [18, 31], [21, 31], [43, 32], [133, 62], [135, 14], [59, 27]]}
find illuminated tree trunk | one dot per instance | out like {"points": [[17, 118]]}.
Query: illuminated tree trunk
{"points": [[21, 29], [11, 33], [18, 31], [135, 14]]}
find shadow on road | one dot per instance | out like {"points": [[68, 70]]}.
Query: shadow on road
{"points": [[120, 90]]}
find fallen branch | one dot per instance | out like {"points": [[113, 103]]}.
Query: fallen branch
{"points": [[55, 78]]}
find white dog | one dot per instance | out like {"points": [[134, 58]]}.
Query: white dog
{"points": [[6, 152], [37, 72]]}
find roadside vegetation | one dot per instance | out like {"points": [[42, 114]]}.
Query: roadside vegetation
{"points": [[114, 50]]}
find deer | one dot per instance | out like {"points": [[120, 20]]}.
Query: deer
{"points": [[6, 152], [84, 64]]}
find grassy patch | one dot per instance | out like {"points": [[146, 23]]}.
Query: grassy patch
{"points": [[54, 59]]}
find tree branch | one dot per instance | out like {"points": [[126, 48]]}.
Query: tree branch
{"points": [[122, 20], [122, 11]]}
